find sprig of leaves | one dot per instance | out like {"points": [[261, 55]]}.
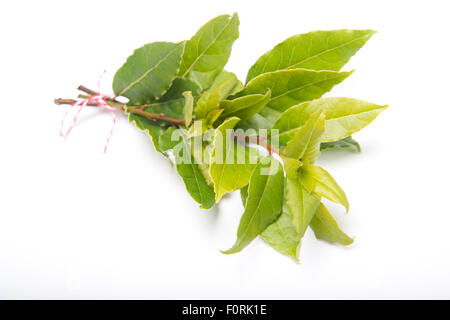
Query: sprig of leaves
{"points": [[196, 113]]}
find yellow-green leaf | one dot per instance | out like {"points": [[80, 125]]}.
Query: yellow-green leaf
{"points": [[317, 179], [207, 52], [244, 107], [291, 167], [263, 205], [292, 120], [281, 235], [305, 144], [210, 99], [348, 143], [288, 88], [301, 203], [188, 107], [345, 116], [326, 228], [317, 50], [231, 164], [212, 117], [231, 87]]}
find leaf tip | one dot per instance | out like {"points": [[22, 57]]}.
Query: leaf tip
{"points": [[293, 256], [219, 194], [229, 251], [348, 241], [368, 32]]}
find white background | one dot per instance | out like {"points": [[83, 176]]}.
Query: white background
{"points": [[75, 223]]}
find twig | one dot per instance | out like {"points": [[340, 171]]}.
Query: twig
{"points": [[87, 90], [156, 116], [135, 110], [262, 141], [114, 103], [60, 101]]}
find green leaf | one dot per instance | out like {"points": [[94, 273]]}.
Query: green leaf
{"points": [[291, 167], [305, 144], [326, 228], [244, 107], [318, 50], [347, 143], [288, 88], [198, 128], [244, 195], [193, 179], [188, 107], [172, 103], [281, 235], [149, 72], [201, 151], [292, 120], [301, 204], [196, 184], [207, 52], [210, 99], [263, 205], [212, 117], [317, 179], [231, 165], [345, 116], [232, 87], [154, 130], [170, 138]]}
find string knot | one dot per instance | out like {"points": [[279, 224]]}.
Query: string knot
{"points": [[100, 101]]}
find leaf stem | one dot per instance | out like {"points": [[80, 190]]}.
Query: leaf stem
{"points": [[156, 116], [259, 140]]}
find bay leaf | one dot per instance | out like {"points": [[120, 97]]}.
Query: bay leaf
{"points": [[288, 88], [207, 52], [301, 203], [348, 143], [148, 72], [317, 179], [317, 50], [231, 165], [263, 205], [326, 228]]}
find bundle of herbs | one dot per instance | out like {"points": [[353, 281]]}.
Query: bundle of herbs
{"points": [[262, 137]]}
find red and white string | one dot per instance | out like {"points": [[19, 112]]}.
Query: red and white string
{"points": [[100, 100]]}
